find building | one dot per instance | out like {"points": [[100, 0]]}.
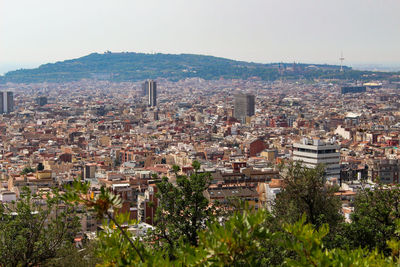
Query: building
{"points": [[147, 205], [268, 191], [89, 171], [314, 152], [149, 89], [345, 133], [6, 102], [384, 171], [41, 100], [353, 89], [244, 106], [224, 195], [144, 88], [253, 147], [269, 154]]}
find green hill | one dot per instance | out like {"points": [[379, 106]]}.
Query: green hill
{"points": [[139, 66]]}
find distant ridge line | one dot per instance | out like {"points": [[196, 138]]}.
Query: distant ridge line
{"points": [[131, 66]]}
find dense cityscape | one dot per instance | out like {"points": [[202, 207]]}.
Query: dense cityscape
{"points": [[127, 137], [199, 133]]}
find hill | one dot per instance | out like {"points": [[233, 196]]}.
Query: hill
{"points": [[129, 66]]}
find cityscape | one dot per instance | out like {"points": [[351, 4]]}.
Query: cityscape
{"points": [[187, 159]]}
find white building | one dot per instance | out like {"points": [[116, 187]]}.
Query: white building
{"points": [[343, 132], [7, 196], [313, 152]]}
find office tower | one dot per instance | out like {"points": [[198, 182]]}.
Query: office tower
{"points": [[145, 85], [313, 152], [244, 106], [41, 100], [2, 102], [6, 102], [150, 87]]}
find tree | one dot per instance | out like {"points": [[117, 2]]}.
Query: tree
{"points": [[244, 239], [114, 238], [117, 162], [183, 209], [27, 170], [307, 244], [71, 256], [305, 191], [35, 228], [374, 218], [40, 167]]}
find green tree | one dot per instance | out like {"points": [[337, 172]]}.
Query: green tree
{"points": [[183, 209], [374, 218], [244, 239], [305, 192], [35, 228], [27, 170], [40, 167], [116, 245], [71, 256], [307, 244]]}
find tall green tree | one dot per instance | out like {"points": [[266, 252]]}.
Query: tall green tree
{"points": [[35, 228], [305, 192], [183, 209]]}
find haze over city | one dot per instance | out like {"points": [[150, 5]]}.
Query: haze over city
{"points": [[38, 32]]}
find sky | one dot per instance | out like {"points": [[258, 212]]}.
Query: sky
{"points": [[310, 31]]}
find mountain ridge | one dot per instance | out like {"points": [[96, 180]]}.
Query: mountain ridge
{"points": [[131, 66]]}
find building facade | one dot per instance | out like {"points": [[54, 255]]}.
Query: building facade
{"points": [[353, 89], [244, 106], [41, 100], [314, 152], [6, 102], [384, 170], [149, 89]]}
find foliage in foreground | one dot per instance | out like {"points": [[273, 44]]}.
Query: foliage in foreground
{"points": [[245, 238], [307, 243], [35, 229], [248, 237], [374, 218], [241, 242], [305, 191], [182, 209]]}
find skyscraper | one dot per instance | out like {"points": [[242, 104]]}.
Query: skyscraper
{"points": [[6, 102], [41, 100], [145, 85], [244, 106], [150, 90]]}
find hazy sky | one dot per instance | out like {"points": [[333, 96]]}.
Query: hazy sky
{"points": [[40, 31]]}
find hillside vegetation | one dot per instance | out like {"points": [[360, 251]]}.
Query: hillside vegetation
{"points": [[138, 66]]}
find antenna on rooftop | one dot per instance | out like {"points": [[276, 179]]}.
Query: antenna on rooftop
{"points": [[341, 61]]}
